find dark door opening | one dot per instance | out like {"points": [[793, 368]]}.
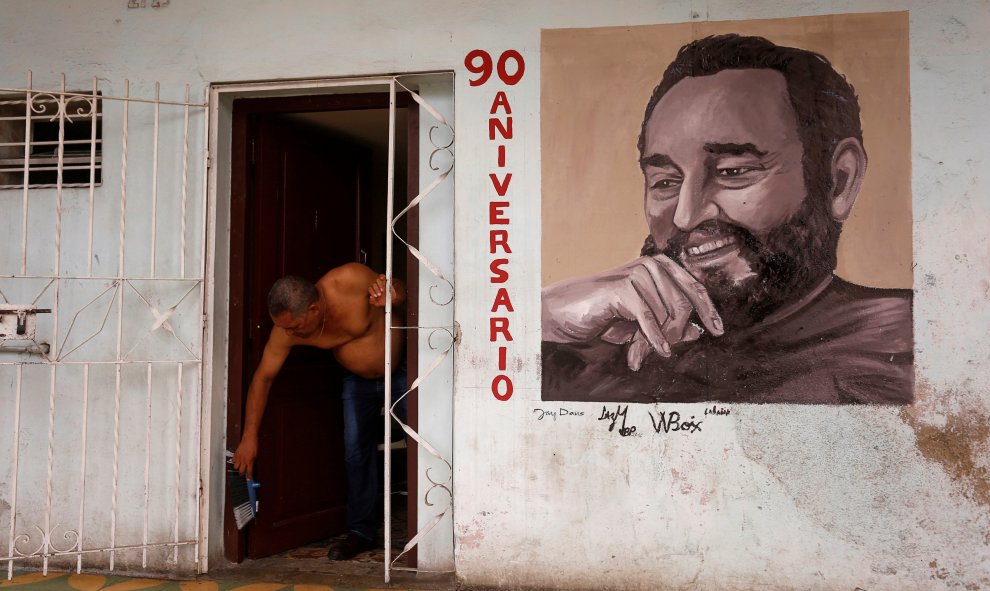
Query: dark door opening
{"points": [[308, 193]]}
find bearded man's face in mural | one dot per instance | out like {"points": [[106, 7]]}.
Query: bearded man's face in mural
{"points": [[726, 194]]}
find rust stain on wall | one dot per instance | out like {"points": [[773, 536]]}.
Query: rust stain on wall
{"points": [[955, 446]]}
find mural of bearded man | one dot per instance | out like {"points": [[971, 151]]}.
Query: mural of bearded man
{"points": [[752, 157]]}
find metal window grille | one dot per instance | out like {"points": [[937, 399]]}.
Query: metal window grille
{"points": [[100, 407], [39, 133]]}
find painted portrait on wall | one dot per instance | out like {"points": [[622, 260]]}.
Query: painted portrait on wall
{"points": [[726, 212]]}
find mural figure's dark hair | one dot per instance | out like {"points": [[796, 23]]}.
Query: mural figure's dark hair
{"points": [[291, 294], [824, 103]]}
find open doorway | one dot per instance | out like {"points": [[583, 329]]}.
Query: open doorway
{"points": [[308, 193]]}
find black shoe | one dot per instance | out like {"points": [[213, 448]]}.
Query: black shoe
{"points": [[350, 547]]}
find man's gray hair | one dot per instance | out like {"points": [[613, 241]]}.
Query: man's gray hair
{"points": [[291, 294]]}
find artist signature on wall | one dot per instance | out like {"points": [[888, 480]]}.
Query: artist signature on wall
{"points": [[543, 413], [619, 421], [661, 421], [614, 416]]}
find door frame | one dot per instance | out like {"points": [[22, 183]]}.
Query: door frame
{"points": [[216, 317], [235, 540]]}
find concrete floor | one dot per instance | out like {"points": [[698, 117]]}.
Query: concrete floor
{"points": [[308, 565]]}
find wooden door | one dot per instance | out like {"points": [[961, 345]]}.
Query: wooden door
{"points": [[301, 203], [303, 218]]}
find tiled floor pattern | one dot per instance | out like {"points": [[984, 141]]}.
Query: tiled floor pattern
{"points": [[36, 581], [61, 581]]}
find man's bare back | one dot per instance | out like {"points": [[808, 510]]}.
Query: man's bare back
{"points": [[351, 321]]}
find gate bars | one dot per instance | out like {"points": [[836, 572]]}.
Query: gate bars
{"points": [[161, 344], [444, 484]]}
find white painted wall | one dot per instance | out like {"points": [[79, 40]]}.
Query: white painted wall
{"points": [[436, 346], [776, 497]]}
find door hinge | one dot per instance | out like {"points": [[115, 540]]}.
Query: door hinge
{"points": [[252, 151]]}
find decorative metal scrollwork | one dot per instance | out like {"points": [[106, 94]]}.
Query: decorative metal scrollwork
{"points": [[40, 101], [85, 111], [39, 104], [439, 147], [47, 546]]}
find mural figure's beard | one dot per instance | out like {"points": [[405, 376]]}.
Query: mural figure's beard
{"points": [[792, 260]]}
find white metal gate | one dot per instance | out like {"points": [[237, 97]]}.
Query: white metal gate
{"points": [[441, 161], [101, 284]]}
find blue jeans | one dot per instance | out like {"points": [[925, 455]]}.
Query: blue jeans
{"points": [[363, 424]]}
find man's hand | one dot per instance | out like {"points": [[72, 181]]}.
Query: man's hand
{"points": [[646, 303], [244, 457], [376, 293]]}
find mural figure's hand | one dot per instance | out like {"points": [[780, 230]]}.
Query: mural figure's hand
{"points": [[646, 303]]}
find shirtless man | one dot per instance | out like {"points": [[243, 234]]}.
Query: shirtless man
{"points": [[343, 312]]}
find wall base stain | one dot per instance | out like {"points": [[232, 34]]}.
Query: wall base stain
{"points": [[956, 446]]}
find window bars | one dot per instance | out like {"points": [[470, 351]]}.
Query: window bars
{"points": [[108, 469], [40, 132]]}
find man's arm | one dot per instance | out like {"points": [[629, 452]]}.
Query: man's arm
{"points": [[276, 351]]}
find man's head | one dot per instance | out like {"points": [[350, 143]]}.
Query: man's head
{"points": [[752, 156], [293, 304]]}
